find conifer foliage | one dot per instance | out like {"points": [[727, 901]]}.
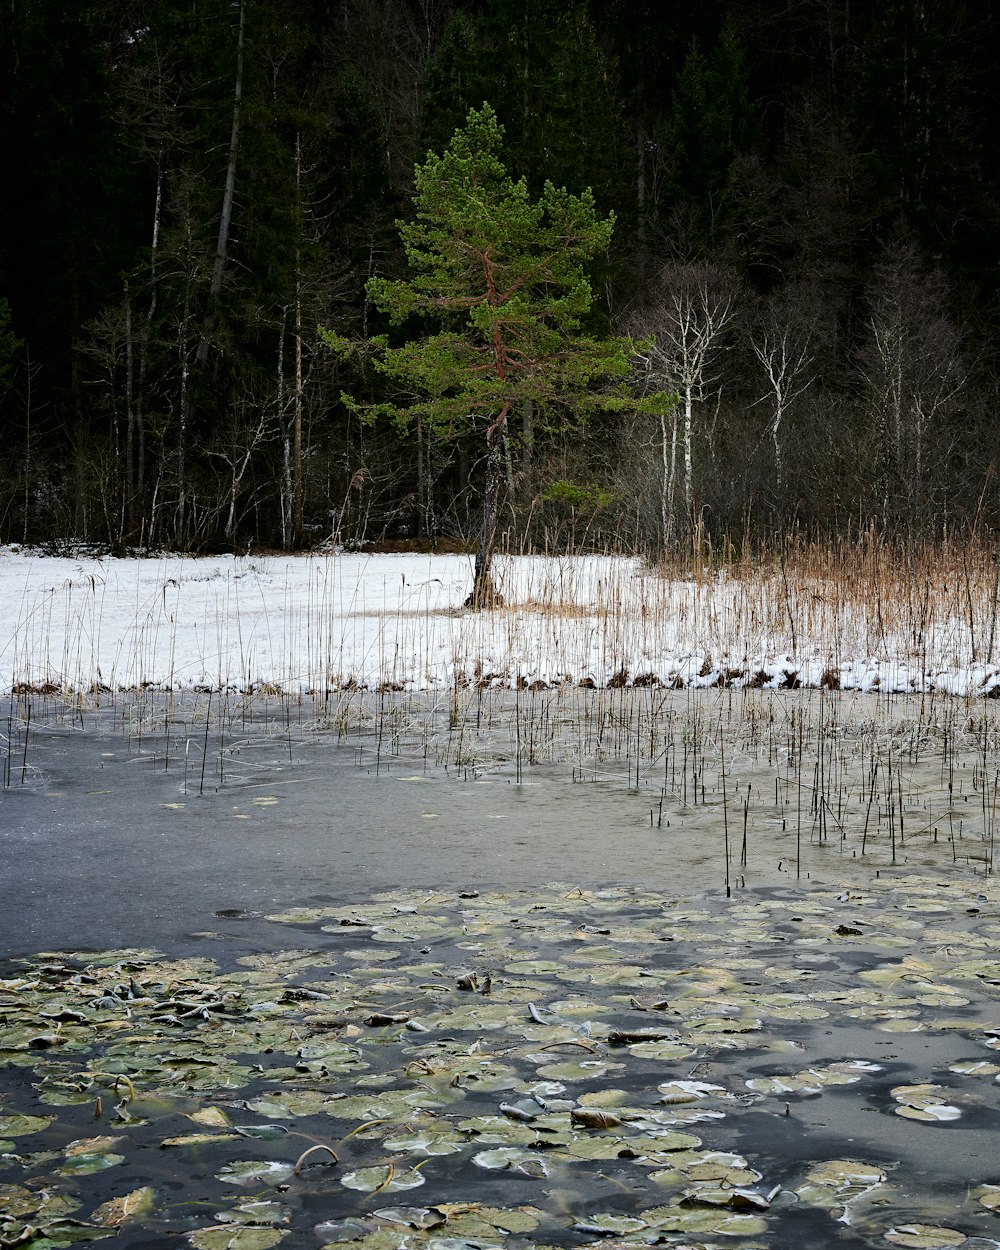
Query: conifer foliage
{"points": [[502, 279]]}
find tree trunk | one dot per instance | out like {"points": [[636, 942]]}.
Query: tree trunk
{"points": [[297, 441], [484, 593], [287, 491], [144, 342], [297, 438], [127, 522], [688, 454], [184, 404], [668, 453], [225, 221], [776, 437], [419, 526]]}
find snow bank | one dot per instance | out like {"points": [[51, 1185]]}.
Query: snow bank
{"points": [[311, 623]]}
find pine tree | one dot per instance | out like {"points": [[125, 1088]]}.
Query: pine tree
{"points": [[504, 278]]}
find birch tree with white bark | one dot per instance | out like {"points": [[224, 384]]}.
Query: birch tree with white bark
{"points": [[684, 324], [781, 337]]}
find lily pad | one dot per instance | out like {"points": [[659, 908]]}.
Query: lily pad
{"points": [[412, 1217], [512, 1158], [605, 1225], [23, 1125], [242, 1238], [255, 1172], [262, 1212], [382, 1179], [131, 1206], [402, 1074], [925, 1103], [988, 1196], [721, 1223], [925, 1237]]}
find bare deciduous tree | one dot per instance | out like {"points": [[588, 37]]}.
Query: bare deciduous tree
{"points": [[914, 371], [684, 321], [781, 338]]}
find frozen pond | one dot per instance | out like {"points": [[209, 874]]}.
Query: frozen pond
{"points": [[501, 968], [115, 840], [148, 819]]}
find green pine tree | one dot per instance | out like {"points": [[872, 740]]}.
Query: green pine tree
{"points": [[503, 279]]}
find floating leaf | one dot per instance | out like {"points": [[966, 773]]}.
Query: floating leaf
{"points": [[594, 1118], [243, 1238], [923, 1102], [214, 1117], [263, 1132], [341, 1232], [933, 1113], [412, 1217], [721, 1222], [988, 1196], [605, 1098], [845, 1174], [264, 1212], [835, 1182], [808, 1081], [598, 1146], [84, 1163], [584, 1070], [17, 1202], [382, 1179], [196, 1139], [435, 1144], [368, 1045], [255, 1172], [679, 1092], [925, 1237], [664, 1051], [131, 1206], [512, 1158], [603, 1225], [510, 1219], [736, 1197], [23, 1125], [63, 1232]]}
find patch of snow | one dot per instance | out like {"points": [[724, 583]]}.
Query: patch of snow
{"points": [[308, 623]]}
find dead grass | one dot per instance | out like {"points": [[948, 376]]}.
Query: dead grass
{"points": [[912, 596]]}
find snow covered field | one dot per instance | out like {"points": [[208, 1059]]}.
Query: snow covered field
{"points": [[309, 623]]}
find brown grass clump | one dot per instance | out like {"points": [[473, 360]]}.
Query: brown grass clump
{"points": [[865, 595], [22, 688]]}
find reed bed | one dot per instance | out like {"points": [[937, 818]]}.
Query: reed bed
{"points": [[861, 616], [813, 696], [792, 781], [810, 713]]}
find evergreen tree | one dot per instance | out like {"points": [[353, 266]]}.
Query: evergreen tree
{"points": [[913, 108], [544, 71], [503, 277], [712, 123]]}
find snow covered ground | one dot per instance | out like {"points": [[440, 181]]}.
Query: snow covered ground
{"points": [[302, 623]]}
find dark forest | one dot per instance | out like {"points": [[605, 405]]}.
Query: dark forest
{"points": [[805, 251]]}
